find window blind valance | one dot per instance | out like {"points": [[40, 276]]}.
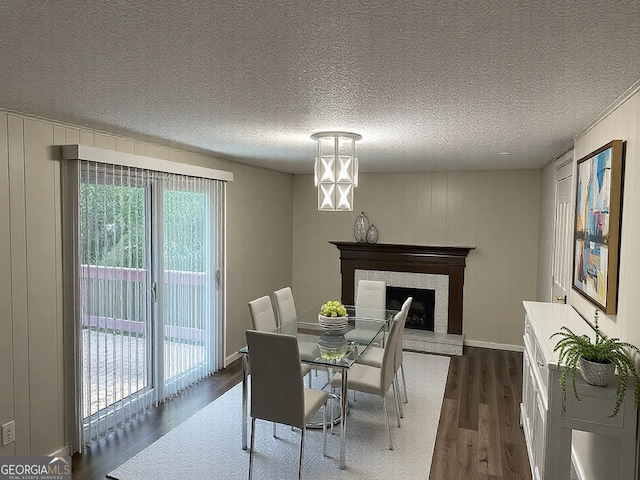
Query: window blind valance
{"points": [[83, 152]]}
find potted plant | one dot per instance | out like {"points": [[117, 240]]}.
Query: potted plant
{"points": [[333, 308], [333, 316], [597, 360]]}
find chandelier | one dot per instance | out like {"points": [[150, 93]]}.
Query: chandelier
{"points": [[336, 170]]}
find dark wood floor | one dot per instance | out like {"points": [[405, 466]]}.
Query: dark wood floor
{"points": [[479, 435]]}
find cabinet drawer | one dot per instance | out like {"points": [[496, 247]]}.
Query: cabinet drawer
{"points": [[538, 361], [528, 334], [540, 364]]}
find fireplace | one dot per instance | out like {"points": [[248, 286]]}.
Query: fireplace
{"points": [[421, 267], [417, 285], [422, 311]]}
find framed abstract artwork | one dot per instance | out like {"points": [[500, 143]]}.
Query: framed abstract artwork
{"points": [[597, 226]]}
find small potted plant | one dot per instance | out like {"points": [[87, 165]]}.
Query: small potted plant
{"points": [[597, 360], [333, 316], [333, 308]]}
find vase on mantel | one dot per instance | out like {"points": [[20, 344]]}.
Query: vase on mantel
{"points": [[361, 228], [372, 235]]}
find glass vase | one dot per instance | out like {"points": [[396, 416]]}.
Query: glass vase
{"points": [[361, 228], [372, 234]]}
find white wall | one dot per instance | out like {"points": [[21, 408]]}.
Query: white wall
{"points": [[623, 123], [32, 367], [495, 211]]}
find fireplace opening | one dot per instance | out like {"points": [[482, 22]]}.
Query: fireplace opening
{"points": [[422, 312]]}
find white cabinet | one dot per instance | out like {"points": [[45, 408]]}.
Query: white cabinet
{"points": [[539, 438], [534, 401], [547, 426]]}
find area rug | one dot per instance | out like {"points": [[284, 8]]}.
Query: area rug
{"points": [[208, 445]]}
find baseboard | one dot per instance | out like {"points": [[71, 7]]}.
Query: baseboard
{"points": [[231, 358], [494, 346], [63, 452]]}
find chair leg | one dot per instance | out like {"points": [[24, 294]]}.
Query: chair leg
{"points": [[274, 430], [395, 401], [404, 385], [301, 452], [331, 412], [253, 430], [397, 397], [386, 415], [324, 429]]}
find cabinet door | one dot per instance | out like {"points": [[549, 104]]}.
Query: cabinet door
{"points": [[527, 390], [539, 438], [529, 397]]}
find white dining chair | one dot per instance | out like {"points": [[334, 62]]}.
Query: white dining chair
{"points": [[371, 295], [264, 319], [286, 309], [373, 355], [277, 392], [285, 306], [261, 314], [374, 380]]}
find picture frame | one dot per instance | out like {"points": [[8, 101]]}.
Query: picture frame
{"points": [[597, 226]]}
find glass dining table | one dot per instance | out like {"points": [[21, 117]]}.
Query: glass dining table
{"points": [[325, 347]]}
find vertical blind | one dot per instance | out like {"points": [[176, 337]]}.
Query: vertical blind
{"points": [[150, 263]]}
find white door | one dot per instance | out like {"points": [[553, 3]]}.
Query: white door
{"points": [[563, 233]]}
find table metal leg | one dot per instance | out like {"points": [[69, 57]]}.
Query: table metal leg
{"points": [[244, 401], [343, 420]]}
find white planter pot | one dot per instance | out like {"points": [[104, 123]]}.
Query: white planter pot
{"points": [[332, 323], [598, 374]]}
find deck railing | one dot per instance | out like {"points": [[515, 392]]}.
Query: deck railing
{"points": [[124, 309]]}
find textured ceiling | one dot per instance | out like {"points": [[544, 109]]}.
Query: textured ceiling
{"points": [[440, 85]]}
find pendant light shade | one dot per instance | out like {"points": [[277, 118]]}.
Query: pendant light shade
{"points": [[336, 170]]}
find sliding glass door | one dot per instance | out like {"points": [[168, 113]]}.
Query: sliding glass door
{"points": [[188, 266], [114, 290], [150, 254]]}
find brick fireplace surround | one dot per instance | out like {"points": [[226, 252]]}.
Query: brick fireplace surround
{"points": [[420, 266]]}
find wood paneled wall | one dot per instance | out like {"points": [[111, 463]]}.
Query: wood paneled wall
{"points": [[595, 454], [32, 357], [7, 404], [623, 124], [495, 211]]}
